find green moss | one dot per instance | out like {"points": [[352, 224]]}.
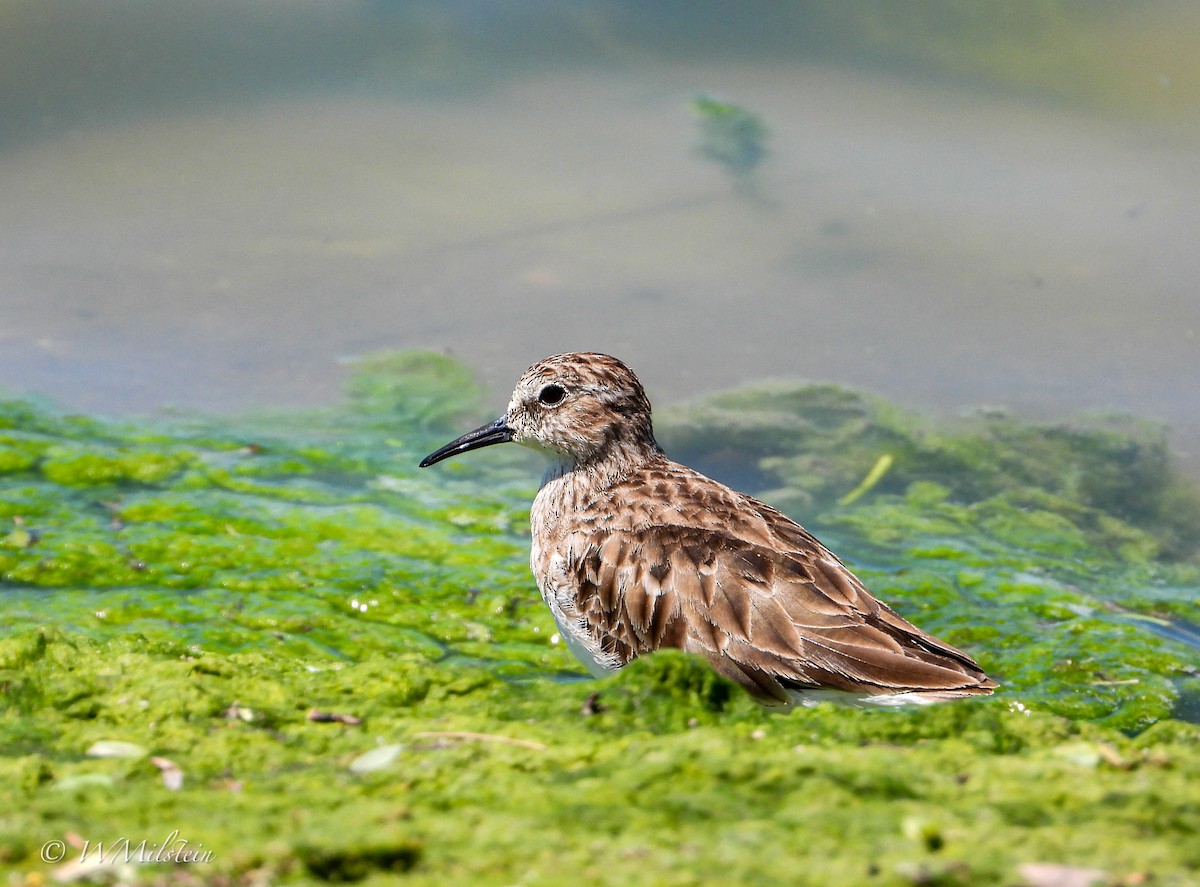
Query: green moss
{"points": [[971, 787], [198, 589], [18, 455], [74, 466]]}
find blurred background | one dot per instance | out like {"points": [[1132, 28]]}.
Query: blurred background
{"points": [[219, 205]]}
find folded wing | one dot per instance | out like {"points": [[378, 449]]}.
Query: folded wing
{"points": [[778, 622]]}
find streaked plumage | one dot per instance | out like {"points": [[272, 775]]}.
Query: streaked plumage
{"points": [[633, 552]]}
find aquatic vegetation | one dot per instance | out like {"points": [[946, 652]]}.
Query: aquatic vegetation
{"points": [[730, 135], [346, 663]]}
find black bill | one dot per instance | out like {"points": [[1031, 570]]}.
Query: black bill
{"points": [[484, 436]]}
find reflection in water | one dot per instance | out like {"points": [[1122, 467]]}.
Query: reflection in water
{"points": [[214, 210]]}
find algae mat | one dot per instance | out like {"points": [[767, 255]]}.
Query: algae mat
{"points": [[269, 650]]}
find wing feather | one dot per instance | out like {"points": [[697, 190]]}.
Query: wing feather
{"points": [[771, 620]]}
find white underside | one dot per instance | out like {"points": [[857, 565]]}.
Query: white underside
{"points": [[809, 698], [597, 667], [597, 664]]}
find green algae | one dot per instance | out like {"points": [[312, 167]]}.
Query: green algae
{"points": [[678, 778], [201, 588], [731, 136]]}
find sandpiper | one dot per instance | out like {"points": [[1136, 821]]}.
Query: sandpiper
{"points": [[633, 552]]}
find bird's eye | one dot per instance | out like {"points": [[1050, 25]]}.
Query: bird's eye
{"points": [[551, 395]]}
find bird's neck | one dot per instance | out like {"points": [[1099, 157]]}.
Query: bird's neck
{"points": [[601, 470]]}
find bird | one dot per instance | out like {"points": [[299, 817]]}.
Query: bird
{"points": [[633, 552]]}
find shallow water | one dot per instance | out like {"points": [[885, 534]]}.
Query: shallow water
{"points": [[944, 244]]}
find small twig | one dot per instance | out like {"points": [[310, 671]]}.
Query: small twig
{"points": [[325, 717], [464, 735]]}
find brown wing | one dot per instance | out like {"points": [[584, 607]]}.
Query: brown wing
{"points": [[770, 620]]}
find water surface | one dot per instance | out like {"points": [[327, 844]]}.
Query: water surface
{"points": [[227, 239]]}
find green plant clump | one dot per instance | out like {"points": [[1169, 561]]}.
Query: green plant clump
{"points": [[730, 136]]}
